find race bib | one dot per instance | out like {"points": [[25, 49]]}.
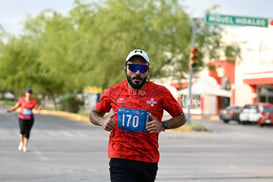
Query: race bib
{"points": [[27, 111], [26, 114], [133, 120]]}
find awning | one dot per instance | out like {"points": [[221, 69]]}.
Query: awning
{"points": [[258, 78], [206, 86], [259, 81]]}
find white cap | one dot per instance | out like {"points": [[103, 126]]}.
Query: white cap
{"points": [[138, 52]]}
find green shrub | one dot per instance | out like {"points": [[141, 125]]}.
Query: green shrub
{"points": [[70, 104], [197, 127]]}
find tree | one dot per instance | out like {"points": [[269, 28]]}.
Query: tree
{"points": [[17, 59], [160, 27], [115, 27], [54, 36], [38, 58]]}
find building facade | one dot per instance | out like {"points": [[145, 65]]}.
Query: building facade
{"points": [[249, 79]]}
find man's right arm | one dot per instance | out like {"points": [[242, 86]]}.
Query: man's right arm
{"points": [[97, 118]]}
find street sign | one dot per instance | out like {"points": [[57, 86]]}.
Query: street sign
{"points": [[236, 20]]}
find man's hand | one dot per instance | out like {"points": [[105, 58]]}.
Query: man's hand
{"points": [[109, 124], [154, 126]]}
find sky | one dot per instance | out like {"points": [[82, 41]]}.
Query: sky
{"points": [[13, 12]]}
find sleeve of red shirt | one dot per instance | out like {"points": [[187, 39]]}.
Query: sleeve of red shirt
{"points": [[20, 101], [34, 102], [170, 104], [104, 104]]}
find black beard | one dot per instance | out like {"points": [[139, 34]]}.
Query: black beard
{"points": [[136, 86]]}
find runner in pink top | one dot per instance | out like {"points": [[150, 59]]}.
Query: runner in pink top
{"points": [[26, 117]]}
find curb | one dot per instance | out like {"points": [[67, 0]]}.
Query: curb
{"points": [[205, 117], [72, 116], [85, 119]]}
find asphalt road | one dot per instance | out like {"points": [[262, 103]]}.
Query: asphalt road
{"points": [[64, 150]]}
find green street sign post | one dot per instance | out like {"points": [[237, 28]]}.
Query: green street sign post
{"points": [[236, 20]]}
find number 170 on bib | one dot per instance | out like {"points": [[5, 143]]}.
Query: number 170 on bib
{"points": [[132, 119]]}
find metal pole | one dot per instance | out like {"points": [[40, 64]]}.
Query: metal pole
{"points": [[190, 74]]}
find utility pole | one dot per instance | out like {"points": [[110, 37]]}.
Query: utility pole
{"points": [[191, 72]]}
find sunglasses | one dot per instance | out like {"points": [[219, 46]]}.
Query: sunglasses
{"points": [[134, 67]]}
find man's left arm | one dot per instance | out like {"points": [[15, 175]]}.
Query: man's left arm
{"points": [[171, 105], [174, 122], [156, 126]]}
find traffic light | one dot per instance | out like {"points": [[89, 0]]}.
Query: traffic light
{"points": [[193, 57]]}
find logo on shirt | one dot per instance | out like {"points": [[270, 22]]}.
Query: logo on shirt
{"points": [[152, 102], [120, 100]]}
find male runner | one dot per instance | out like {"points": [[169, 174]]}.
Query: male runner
{"points": [[136, 121]]}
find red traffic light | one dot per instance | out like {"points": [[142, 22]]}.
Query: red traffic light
{"points": [[271, 22], [193, 57], [194, 51]]}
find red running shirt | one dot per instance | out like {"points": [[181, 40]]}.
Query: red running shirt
{"points": [[140, 146], [26, 108]]}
